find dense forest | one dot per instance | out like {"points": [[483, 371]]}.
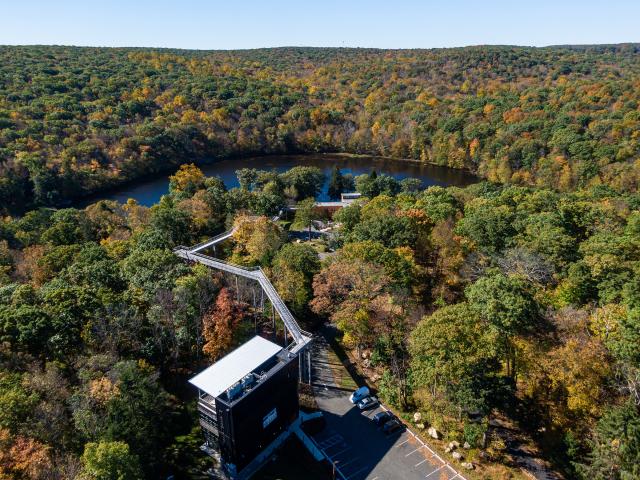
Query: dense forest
{"points": [[466, 303], [77, 120], [515, 300]]}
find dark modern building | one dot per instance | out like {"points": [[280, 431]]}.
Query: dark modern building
{"points": [[246, 400]]}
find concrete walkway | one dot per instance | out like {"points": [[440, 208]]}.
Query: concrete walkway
{"points": [[321, 368]]}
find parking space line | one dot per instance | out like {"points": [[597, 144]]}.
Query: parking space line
{"points": [[340, 452], [454, 471], [352, 462], [344, 464], [437, 469], [336, 441], [430, 454], [332, 440], [328, 444], [337, 446], [413, 451]]}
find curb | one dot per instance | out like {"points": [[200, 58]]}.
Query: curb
{"points": [[445, 464]]}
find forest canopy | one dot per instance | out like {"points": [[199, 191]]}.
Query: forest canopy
{"points": [[76, 120], [516, 297], [464, 304]]}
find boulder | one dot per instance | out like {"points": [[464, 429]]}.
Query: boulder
{"points": [[467, 465], [457, 455], [466, 446], [420, 426], [417, 417], [453, 445], [433, 433], [447, 449]]}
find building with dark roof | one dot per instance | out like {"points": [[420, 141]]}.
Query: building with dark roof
{"points": [[246, 400]]}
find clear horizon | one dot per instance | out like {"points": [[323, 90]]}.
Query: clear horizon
{"points": [[206, 25]]}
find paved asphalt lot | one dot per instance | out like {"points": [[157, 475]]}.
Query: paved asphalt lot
{"points": [[358, 448]]}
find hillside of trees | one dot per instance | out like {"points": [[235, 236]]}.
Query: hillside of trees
{"points": [[468, 304], [76, 120]]}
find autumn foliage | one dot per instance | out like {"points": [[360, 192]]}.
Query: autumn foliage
{"points": [[220, 324], [23, 458], [76, 120]]}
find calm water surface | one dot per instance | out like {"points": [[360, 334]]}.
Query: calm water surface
{"points": [[148, 192]]}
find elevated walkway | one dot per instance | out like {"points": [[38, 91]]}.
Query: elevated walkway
{"points": [[300, 337], [213, 241], [299, 345]]}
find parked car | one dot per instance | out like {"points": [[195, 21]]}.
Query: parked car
{"points": [[392, 426], [368, 402], [359, 394], [381, 418]]}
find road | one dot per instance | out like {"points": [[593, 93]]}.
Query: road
{"points": [[357, 448]]}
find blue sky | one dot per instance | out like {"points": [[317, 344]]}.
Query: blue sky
{"points": [[231, 24]]}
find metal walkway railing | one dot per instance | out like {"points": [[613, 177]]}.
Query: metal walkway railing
{"points": [[212, 241], [300, 337]]}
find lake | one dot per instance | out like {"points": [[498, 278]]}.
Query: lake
{"points": [[147, 192]]}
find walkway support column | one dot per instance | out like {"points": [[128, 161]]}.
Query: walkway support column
{"points": [[273, 319]]}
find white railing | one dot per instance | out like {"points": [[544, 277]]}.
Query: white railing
{"points": [[300, 337], [212, 241]]}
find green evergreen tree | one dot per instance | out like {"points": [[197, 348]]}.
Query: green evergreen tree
{"points": [[615, 447], [336, 183]]}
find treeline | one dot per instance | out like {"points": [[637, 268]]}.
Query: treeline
{"points": [[467, 303], [77, 120], [101, 324], [493, 300]]}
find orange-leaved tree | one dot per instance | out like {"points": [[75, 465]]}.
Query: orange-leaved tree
{"points": [[220, 324]]}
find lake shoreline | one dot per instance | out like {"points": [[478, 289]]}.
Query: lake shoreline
{"points": [[207, 164]]}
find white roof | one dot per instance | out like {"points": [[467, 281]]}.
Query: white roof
{"points": [[231, 368]]}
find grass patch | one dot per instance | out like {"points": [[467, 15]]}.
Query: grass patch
{"points": [[307, 398], [340, 373]]}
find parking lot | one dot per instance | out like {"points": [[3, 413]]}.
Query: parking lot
{"points": [[360, 450]]}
